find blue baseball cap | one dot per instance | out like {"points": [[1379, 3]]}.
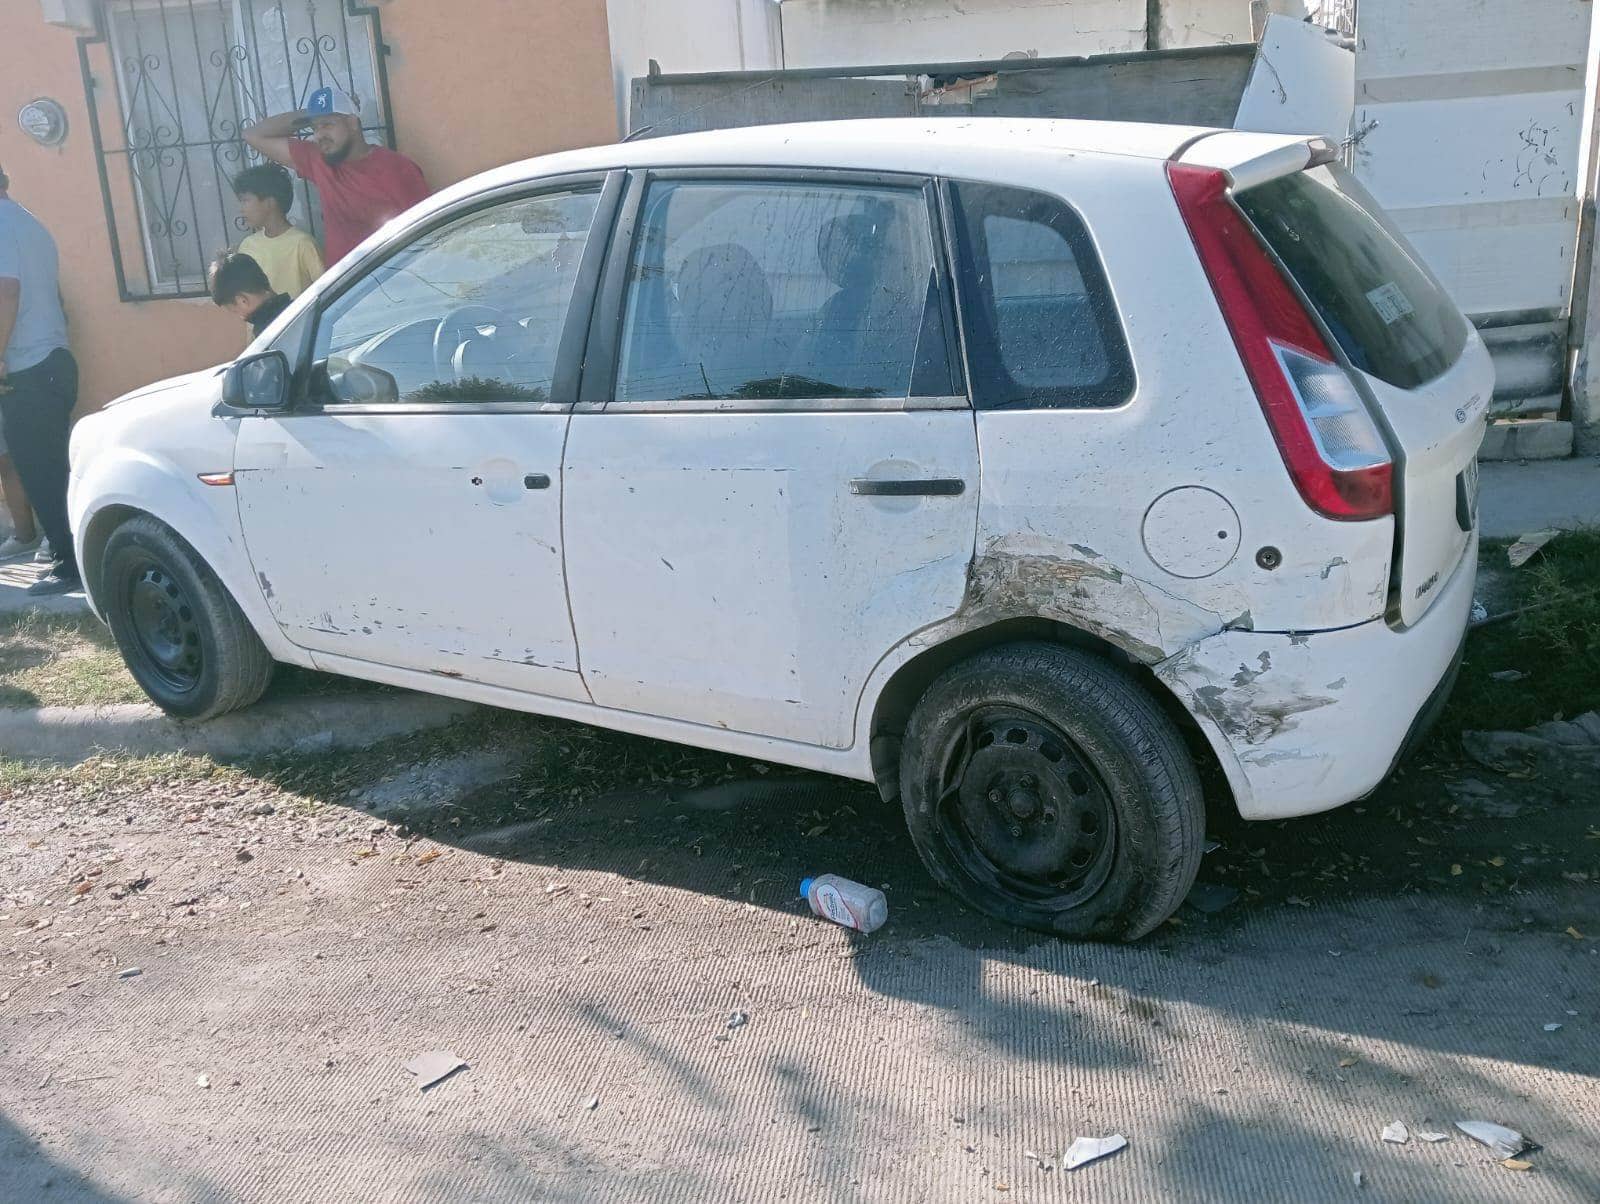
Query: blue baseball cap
{"points": [[326, 102]]}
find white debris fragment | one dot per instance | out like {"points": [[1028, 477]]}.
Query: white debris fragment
{"points": [[1432, 1135], [433, 1066], [1085, 1150], [738, 1019], [203, 1082], [130, 972], [592, 1102], [1519, 553], [1552, 1028], [1396, 1133], [1502, 1142], [1358, 1179]]}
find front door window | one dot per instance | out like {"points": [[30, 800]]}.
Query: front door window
{"points": [[471, 311]]}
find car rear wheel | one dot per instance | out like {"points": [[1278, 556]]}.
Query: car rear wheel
{"points": [[181, 635], [1043, 786]]}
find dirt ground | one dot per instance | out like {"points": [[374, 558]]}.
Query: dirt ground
{"points": [[584, 918]]}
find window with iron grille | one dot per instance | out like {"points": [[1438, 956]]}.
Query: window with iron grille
{"points": [[173, 84]]}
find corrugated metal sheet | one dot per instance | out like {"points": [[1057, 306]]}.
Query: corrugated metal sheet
{"points": [[1199, 86]]}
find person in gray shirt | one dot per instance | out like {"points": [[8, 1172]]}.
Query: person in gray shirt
{"points": [[38, 380]]}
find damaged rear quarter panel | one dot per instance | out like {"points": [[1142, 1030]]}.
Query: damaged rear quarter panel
{"points": [[1014, 576]]}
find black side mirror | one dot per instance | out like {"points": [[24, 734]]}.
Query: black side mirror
{"points": [[259, 382]]}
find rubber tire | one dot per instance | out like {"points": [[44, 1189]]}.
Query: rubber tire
{"points": [[1152, 780], [235, 666]]}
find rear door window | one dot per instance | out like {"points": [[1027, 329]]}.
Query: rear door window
{"points": [[1385, 310], [746, 290], [1041, 325]]}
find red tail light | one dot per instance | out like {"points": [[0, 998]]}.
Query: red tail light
{"points": [[1329, 443]]}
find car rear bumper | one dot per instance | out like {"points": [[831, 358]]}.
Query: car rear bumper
{"points": [[1306, 722]]}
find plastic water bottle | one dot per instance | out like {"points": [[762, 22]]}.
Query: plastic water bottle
{"points": [[845, 902]]}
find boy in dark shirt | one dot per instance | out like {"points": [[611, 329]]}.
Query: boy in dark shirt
{"points": [[238, 284]]}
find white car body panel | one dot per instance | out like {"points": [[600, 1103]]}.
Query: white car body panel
{"points": [[1111, 521], [845, 763], [1439, 426], [723, 573], [145, 453], [1303, 723], [411, 539]]}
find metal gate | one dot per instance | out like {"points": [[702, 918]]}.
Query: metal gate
{"points": [[171, 86]]}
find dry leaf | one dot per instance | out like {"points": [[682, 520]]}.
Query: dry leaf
{"points": [[83, 887], [1574, 933], [1346, 1063], [1455, 871], [1516, 1164], [1497, 861], [430, 855]]}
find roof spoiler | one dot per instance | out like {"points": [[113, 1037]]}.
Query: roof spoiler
{"points": [[1250, 159]]}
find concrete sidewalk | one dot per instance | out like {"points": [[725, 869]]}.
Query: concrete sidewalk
{"points": [[647, 1012], [15, 578], [1515, 497]]}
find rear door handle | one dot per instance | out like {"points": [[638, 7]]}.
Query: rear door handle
{"points": [[927, 487], [536, 480]]}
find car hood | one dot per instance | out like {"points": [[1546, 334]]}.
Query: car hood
{"points": [[168, 385]]}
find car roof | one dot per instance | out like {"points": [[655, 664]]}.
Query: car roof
{"points": [[943, 145]]}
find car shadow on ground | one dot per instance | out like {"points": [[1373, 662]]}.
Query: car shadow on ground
{"points": [[31, 1170], [1442, 896]]}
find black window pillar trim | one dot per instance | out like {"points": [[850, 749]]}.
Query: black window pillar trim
{"points": [[979, 338]]}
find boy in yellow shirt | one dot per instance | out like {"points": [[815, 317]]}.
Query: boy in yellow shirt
{"points": [[286, 253]]}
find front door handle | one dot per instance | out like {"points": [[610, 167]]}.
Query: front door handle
{"points": [[928, 487], [536, 480]]}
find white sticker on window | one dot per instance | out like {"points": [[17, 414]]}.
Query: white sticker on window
{"points": [[1390, 302]]}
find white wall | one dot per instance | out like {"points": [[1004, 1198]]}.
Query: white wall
{"points": [[758, 35], [690, 35], [830, 33]]}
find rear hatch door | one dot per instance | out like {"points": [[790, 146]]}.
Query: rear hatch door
{"points": [[1421, 364]]}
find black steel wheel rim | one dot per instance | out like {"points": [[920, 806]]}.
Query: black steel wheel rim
{"points": [[1024, 811], [165, 628]]}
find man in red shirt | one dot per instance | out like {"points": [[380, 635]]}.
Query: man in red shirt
{"points": [[361, 185]]}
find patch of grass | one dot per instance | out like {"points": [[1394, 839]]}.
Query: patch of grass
{"points": [[555, 762], [111, 773], [71, 660], [1554, 641], [61, 660]]}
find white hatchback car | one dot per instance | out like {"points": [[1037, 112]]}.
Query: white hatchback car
{"points": [[1016, 466]]}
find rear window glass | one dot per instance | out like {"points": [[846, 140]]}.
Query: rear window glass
{"points": [[1387, 313], [1042, 329]]}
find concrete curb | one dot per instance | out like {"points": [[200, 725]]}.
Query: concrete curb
{"points": [[308, 725]]}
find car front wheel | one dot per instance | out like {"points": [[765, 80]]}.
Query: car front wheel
{"points": [[1043, 786], [181, 635]]}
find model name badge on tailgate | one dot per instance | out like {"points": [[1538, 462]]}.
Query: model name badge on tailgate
{"points": [[1427, 585]]}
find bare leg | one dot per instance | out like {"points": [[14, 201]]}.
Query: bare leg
{"points": [[16, 501]]}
